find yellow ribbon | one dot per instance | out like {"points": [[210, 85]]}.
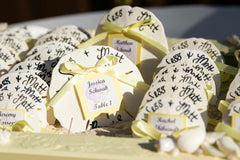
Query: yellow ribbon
{"points": [[19, 126], [223, 106], [105, 65], [129, 31], [213, 121], [208, 90], [226, 68], [236, 54], [142, 129], [221, 127]]}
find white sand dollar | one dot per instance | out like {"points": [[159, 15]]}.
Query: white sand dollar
{"points": [[189, 93], [17, 44], [36, 31], [53, 49], [204, 79], [125, 16], [17, 96], [7, 56], [174, 106], [197, 59], [76, 32], [234, 88], [200, 44], [233, 108], [88, 58], [57, 37], [49, 52], [3, 67], [26, 32], [70, 34], [40, 68], [26, 79], [177, 76]]}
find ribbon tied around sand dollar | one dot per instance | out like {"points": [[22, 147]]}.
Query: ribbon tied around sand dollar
{"points": [[111, 27], [104, 65]]}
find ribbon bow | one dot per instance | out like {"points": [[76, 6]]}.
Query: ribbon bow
{"points": [[142, 129], [129, 31], [105, 65], [19, 126], [101, 66]]}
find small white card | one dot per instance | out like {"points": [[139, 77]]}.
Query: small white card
{"points": [[10, 116], [167, 123]]}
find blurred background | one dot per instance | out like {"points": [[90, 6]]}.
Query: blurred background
{"points": [[13, 11]]}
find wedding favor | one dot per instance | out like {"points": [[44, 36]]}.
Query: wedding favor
{"points": [[24, 79], [196, 59], [52, 49], [232, 115], [99, 86], [137, 33], [233, 90], [49, 52], [40, 68], [17, 44], [20, 102], [200, 44], [170, 116], [6, 58], [71, 35], [26, 32], [189, 93]]}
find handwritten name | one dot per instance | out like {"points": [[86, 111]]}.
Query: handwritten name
{"points": [[188, 92]]}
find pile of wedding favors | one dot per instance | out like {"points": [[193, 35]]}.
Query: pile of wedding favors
{"points": [[125, 71]]}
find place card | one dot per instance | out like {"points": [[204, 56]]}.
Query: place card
{"points": [[167, 123], [10, 116], [130, 47], [98, 94]]}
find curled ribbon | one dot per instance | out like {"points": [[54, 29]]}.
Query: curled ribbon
{"points": [[19, 126], [129, 31], [105, 65], [142, 129]]}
